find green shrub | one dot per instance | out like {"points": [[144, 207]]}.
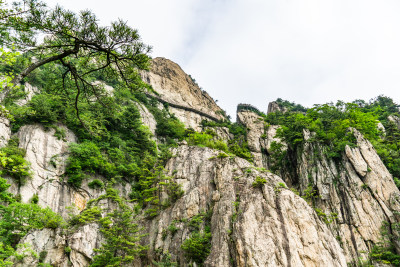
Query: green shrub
{"points": [[197, 247], [196, 222], [42, 255], [44, 108], [222, 155], [172, 228], [13, 163], [279, 187], [118, 227], [238, 145], [96, 184], [164, 260], [385, 251], [19, 218], [168, 126], [86, 158], [364, 186], [259, 182], [386, 255], [310, 194], [35, 199]]}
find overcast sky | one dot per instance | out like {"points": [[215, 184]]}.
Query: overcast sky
{"points": [[254, 51]]}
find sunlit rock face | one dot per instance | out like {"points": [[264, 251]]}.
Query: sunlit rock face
{"points": [[5, 131], [269, 225], [251, 224], [174, 86], [358, 188]]}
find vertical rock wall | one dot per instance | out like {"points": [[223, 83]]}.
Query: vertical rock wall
{"points": [[358, 188]]}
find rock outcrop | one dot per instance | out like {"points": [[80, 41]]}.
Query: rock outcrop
{"points": [[147, 118], [5, 131], [254, 217], [358, 190], [174, 86], [60, 248], [274, 107], [47, 155], [30, 91], [259, 136], [395, 120], [268, 226]]}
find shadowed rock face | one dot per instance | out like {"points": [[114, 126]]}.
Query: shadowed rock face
{"points": [[274, 107]]}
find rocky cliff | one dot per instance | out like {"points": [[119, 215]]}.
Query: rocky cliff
{"points": [[231, 211], [187, 100]]}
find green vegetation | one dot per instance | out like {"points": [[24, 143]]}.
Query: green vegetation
{"points": [[72, 68], [17, 219], [238, 145], [290, 106], [310, 194], [329, 125], [206, 140], [78, 43], [385, 251], [119, 228], [164, 260], [198, 246], [12, 162], [328, 219], [236, 210], [113, 144], [259, 182], [96, 184], [172, 228], [242, 107], [278, 188]]}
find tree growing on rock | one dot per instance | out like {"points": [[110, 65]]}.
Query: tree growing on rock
{"points": [[74, 41]]}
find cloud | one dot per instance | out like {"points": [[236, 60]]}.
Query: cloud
{"points": [[255, 51]]}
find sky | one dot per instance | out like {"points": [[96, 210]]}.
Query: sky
{"points": [[255, 51]]}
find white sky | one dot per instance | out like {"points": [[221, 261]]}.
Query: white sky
{"points": [[254, 51]]}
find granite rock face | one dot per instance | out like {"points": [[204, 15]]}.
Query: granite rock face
{"points": [[5, 131], [173, 85], [358, 189], [274, 107], [147, 118], [268, 226], [54, 243], [260, 136], [255, 218], [47, 155], [30, 91], [394, 119]]}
